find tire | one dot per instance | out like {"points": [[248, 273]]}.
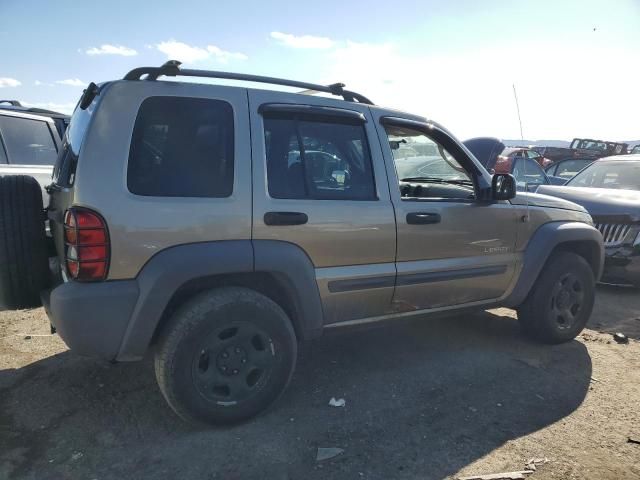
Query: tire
{"points": [[225, 356], [561, 301], [24, 268]]}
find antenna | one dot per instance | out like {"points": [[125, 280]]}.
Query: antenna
{"points": [[525, 218], [515, 95]]}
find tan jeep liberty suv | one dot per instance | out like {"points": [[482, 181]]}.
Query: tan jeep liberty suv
{"points": [[219, 226]]}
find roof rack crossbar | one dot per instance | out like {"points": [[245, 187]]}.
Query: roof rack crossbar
{"points": [[13, 103], [172, 69]]}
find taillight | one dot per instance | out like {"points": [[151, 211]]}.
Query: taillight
{"points": [[86, 241]]}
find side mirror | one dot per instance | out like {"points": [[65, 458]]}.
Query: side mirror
{"points": [[503, 186]]}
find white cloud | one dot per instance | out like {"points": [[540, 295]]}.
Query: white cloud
{"points": [[58, 107], [72, 82], [224, 56], [108, 49], [38, 83], [185, 53], [302, 41], [9, 82], [468, 94]]}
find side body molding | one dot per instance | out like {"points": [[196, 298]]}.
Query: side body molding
{"points": [[543, 242]]}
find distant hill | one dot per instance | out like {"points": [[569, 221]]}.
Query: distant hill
{"points": [[551, 143]]}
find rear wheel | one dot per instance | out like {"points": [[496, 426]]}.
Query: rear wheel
{"points": [[561, 301], [24, 270], [225, 356]]}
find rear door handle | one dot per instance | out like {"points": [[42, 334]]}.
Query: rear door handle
{"points": [[422, 218], [285, 218]]}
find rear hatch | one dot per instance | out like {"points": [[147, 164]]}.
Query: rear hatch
{"points": [[61, 190]]}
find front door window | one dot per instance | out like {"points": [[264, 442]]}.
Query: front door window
{"points": [[425, 169]]}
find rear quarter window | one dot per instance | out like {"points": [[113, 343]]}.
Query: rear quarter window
{"points": [[182, 147], [64, 170]]}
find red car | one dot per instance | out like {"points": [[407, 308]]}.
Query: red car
{"points": [[509, 154]]}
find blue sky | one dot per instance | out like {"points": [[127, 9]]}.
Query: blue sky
{"points": [[575, 64]]}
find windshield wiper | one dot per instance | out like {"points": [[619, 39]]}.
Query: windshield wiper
{"points": [[436, 180]]}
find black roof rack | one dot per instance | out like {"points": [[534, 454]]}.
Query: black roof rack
{"points": [[172, 69], [13, 103]]}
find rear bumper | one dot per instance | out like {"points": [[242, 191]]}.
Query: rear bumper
{"points": [[92, 318], [622, 266]]}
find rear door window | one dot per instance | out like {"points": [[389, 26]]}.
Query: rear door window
{"points": [[27, 141], [182, 147], [322, 160]]}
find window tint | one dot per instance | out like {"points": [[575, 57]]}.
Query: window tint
{"points": [[182, 147], [28, 142], [317, 159], [64, 169]]}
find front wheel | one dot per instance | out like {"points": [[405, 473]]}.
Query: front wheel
{"points": [[225, 356], [561, 301]]}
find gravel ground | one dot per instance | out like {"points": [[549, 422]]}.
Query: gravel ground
{"points": [[425, 399]]}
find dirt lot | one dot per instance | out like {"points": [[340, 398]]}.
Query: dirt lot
{"points": [[426, 399]]}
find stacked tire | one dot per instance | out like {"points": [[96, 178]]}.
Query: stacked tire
{"points": [[24, 270]]}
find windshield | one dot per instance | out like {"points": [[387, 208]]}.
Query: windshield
{"points": [[623, 175], [416, 155]]}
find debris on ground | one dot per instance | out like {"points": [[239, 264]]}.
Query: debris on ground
{"points": [[620, 338], [533, 463], [635, 440], [327, 453], [500, 476], [340, 402], [77, 456]]}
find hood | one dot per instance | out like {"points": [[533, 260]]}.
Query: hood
{"points": [[599, 201], [546, 201], [485, 149]]}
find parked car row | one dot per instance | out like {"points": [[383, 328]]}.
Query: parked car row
{"points": [[585, 148], [30, 139], [523, 163]]}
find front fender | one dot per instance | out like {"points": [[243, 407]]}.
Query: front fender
{"points": [[544, 241]]}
